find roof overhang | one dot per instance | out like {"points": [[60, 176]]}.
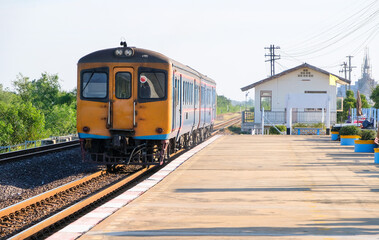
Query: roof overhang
{"points": [[338, 79]]}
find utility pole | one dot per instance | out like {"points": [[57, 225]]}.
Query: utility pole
{"points": [[350, 69], [273, 57], [344, 70]]}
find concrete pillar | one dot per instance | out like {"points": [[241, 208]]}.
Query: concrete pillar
{"points": [[328, 118], [289, 120]]}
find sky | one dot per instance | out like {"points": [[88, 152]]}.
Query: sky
{"points": [[223, 39]]}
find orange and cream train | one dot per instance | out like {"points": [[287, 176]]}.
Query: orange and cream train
{"points": [[137, 106]]}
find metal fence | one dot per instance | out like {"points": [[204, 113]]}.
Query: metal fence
{"points": [[279, 117], [37, 143], [247, 116]]}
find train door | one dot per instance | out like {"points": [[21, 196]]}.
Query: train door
{"points": [[214, 102], [203, 104], [195, 104], [177, 103], [180, 107], [122, 99]]}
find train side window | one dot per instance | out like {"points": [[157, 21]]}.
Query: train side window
{"points": [[123, 85], [176, 92], [152, 85], [184, 93]]}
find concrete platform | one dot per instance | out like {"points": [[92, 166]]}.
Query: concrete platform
{"points": [[257, 187]]}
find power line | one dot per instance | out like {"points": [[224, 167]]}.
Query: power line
{"points": [[341, 32]]}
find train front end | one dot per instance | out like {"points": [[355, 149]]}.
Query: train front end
{"points": [[123, 111]]}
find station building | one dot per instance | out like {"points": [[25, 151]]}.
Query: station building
{"points": [[303, 94]]}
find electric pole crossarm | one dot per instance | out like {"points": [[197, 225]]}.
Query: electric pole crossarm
{"points": [[273, 57]]}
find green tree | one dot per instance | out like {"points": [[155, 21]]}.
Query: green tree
{"points": [[68, 98], [375, 96], [43, 93], [20, 122], [6, 130], [348, 103], [61, 120], [23, 87], [6, 96], [364, 101], [223, 104]]}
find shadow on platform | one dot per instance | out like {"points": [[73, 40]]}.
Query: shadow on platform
{"points": [[342, 227], [198, 190]]}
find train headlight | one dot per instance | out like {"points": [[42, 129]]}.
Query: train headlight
{"points": [[118, 52], [86, 129], [159, 130], [128, 52]]}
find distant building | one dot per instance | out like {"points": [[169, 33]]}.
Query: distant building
{"points": [[365, 84], [303, 94]]}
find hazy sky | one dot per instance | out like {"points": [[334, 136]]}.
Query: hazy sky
{"points": [[220, 38]]}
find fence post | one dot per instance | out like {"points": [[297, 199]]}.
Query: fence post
{"points": [[263, 121]]}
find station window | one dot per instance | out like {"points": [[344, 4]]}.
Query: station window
{"points": [[266, 100]]}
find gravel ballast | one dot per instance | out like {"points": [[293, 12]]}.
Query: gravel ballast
{"points": [[25, 178]]}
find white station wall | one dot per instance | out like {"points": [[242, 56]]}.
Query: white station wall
{"points": [[292, 83]]}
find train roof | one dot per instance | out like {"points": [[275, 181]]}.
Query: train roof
{"points": [[140, 56]]}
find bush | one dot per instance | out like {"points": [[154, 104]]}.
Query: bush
{"points": [[368, 135], [335, 129], [309, 125], [350, 130], [281, 128]]}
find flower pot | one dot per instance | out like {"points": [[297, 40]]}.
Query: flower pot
{"points": [[364, 146], [376, 154], [335, 136], [348, 140]]}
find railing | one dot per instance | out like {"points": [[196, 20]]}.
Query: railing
{"points": [[258, 131], [312, 117], [247, 116], [276, 117], [279, 117], [37, 143]]}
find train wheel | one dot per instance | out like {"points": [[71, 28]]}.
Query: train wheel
{"points": [[195, 138], [188, 141], [168, 153]]}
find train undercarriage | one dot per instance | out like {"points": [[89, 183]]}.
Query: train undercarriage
{"points": [[121, 149]]}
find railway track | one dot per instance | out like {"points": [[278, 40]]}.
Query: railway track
{"points": [[22, 154], [218, 127], [37, 217]]}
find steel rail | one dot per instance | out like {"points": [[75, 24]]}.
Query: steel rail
{"points": [[227, 123], [18, 207], [21, 154], [29, 232]]}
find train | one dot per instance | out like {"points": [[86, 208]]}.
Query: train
{"points": [[137, 107]]}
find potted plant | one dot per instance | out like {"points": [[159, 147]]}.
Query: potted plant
{"points": [[366, 144], [335, 133], [349, 134]]}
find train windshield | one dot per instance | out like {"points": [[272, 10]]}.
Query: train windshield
{"points": [[152, 85], [94, 85]]}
